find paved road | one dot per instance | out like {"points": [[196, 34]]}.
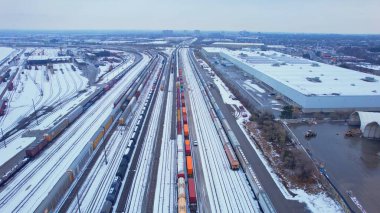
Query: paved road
{"points": [[263, 100]]}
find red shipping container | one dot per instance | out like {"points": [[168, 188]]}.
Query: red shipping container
{"points": [[187, 150], [192, 192], [179, 129]]}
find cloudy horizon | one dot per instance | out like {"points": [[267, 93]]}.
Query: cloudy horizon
{"points": [[287, 16]]}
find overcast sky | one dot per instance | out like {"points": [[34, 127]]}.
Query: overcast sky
{"points": [[314, 16]]}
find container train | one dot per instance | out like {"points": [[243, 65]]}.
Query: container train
{"points": [[263, 199], [185, 170]]}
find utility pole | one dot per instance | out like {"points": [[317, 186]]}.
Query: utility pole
{"points": [[35, 113], [2, 136]]}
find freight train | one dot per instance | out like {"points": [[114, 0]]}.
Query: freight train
{"points": [[77, 168], [37, 146], [3, 106], [6, 75], [184, 151], [123, 166], [263, 199]]}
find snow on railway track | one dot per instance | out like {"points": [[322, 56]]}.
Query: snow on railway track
{"points": [[140, 182], [228, 190], [165, 196], [33, 183], [95, 189], [34, 84]]}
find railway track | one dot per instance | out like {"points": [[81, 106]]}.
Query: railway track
{"points": [[48, 157], [97, 107], [167, 167], [233, 196], [123, 140], [125, 188]]}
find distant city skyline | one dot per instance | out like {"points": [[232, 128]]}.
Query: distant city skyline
{"points": [[292, 16]]}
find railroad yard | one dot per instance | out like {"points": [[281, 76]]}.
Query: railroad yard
{"points": [[143, 127]]}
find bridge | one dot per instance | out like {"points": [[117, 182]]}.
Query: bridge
{"points": [[369, 123]]}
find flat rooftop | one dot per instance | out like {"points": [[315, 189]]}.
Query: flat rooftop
{"points": [[307, 77]]}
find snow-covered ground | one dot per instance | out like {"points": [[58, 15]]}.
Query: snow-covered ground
{"points": [[238, 44], [118, 68], [227, 190], [95, 189], [33, 183], [140, 181], [369, 66], [4, 52], [116, 42], [252, 86], [168, 50], [60, 91], [316, 203], [165, 195], [154, 42]]}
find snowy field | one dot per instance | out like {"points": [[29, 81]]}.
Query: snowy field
{"points": [[315, 203], [369, 66], [61, 92], [252, 86], [117, 68], [154, 42], [30, 186], [238, 44], [168, 50], [5, 52]]}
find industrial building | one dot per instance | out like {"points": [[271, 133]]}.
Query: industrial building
{"points": [[315, 87], [44, 60]]}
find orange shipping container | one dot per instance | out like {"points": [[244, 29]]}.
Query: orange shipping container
{"points": [[189, 165], [187, 142], [183, 110], [186, 130]]}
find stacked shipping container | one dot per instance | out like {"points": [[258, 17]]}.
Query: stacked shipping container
{"points": [[184, 152]]}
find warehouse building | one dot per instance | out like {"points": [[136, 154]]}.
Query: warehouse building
{"points": [[44, 60], [315, 87]]}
